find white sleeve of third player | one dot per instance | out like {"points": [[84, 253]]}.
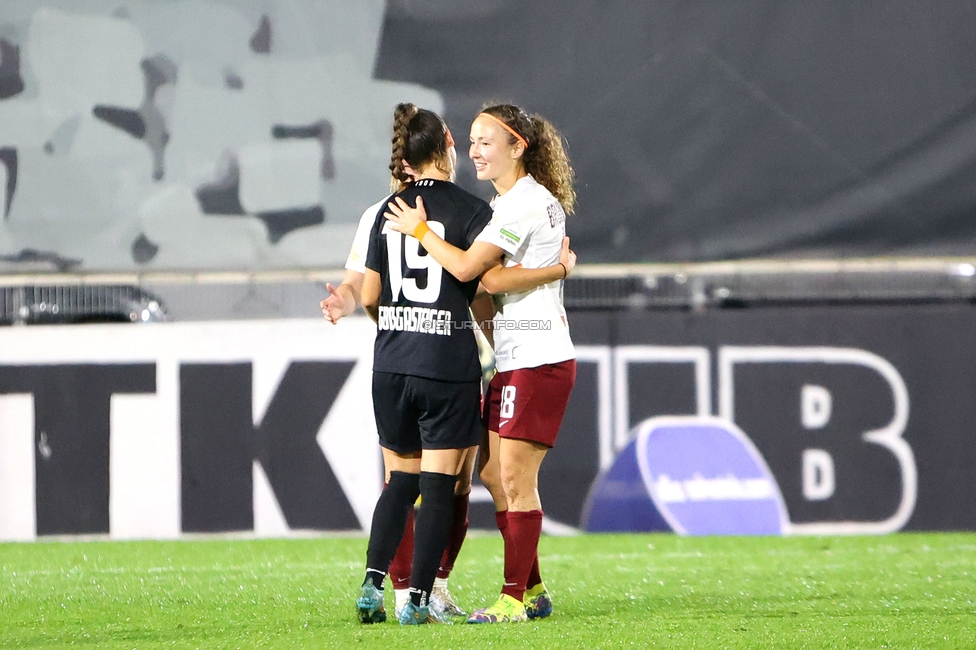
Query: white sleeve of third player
{"points": [[360, 244]]}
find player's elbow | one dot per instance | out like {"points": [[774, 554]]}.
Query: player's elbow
{"points": [[369, 296], [467, 274], [473, 269], [464, 270], [493, 278], [491, 284]]}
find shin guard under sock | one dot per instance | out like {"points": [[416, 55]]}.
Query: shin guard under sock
{"points": [[459, 529], [400, 566], [524, 529], [432, 528], [389, 522]]}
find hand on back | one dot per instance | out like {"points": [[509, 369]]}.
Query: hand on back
{"points": [[403, 218]]}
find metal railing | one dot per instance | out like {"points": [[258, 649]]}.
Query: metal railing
{"points": [[77, 303], [216, 295]]}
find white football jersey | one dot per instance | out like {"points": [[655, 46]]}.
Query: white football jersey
{"points": [[360, 243], [530, 328]]}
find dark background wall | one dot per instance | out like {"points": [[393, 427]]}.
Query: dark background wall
{"points": [[714, 130]]}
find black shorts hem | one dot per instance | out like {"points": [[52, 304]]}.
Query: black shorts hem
{"points": [[399, 449]]}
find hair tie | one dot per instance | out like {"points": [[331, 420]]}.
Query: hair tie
{"points": [[507, 128]]}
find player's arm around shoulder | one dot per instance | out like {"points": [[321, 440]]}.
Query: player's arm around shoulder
{"points": [[516, 279], [465, 265]]}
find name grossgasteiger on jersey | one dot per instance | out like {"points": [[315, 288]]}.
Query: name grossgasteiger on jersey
{"points": [[424, 326]]}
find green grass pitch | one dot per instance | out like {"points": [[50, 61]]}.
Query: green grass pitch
{"points": [[896, 591]]}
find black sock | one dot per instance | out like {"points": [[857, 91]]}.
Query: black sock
{"points": [[389, 522], [376, 577], [431, 531]]}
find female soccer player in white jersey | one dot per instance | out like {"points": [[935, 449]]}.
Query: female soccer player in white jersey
{"points": [[524, 159]]}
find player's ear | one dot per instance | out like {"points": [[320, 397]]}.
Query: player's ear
{"points": [[517, 150], [408, 170]]}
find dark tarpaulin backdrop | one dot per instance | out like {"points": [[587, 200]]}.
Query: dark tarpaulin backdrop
{"points": [[714, 130]]}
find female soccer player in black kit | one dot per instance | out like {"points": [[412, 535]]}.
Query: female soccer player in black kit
{"points": [[426, 372]]}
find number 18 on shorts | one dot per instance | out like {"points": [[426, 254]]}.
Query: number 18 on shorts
{"points": [[529, 403]]}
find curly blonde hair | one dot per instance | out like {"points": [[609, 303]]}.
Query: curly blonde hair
{"points": [[545, 157]]}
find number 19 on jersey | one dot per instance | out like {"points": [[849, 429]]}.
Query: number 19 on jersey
{"points": [[407, 249]]}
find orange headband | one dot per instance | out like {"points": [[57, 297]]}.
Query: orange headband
{"points": [[507, 128]]}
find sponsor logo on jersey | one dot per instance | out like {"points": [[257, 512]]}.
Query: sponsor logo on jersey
{"points": [[511, 233]]}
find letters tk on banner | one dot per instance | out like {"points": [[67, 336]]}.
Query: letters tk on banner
{"points": [[818, 420]]}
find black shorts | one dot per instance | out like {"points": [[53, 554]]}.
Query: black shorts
{"points": [[415, 413]]}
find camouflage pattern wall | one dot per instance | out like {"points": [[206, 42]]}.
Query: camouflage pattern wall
{"points": [[250, 134], [146, 135]]}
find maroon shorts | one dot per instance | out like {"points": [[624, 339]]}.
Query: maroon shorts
{"points": [[529, 403]]}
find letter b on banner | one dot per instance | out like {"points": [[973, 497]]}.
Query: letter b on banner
{"points": [[841, 459]]}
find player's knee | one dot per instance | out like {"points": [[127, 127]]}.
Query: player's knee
{"points": [[489, 476], [514, 484], [463, 484]]}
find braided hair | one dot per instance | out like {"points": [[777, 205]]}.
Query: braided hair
{"points": [[545, 157], [419, 138]]}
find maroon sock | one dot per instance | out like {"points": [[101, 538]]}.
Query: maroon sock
{"points": [[524, 528], [459, 529], [501, 519], [400, 566], [534, 576]]}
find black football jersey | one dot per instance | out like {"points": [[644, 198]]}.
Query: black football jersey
{"points": [[424, 327]]}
